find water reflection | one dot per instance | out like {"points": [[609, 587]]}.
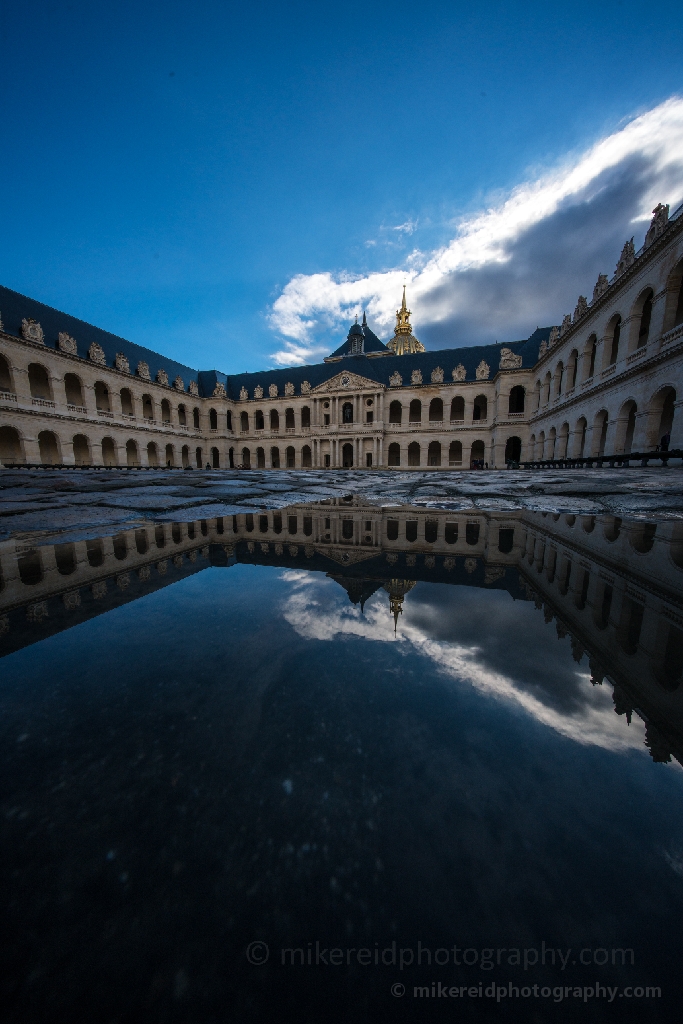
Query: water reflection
{"points": [[613, 588]]}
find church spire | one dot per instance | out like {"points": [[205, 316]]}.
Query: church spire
{"points": [[404, 341]]}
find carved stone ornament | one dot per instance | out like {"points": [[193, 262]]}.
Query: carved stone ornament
{"points": [[448, 563], [37, 612], [305, 387], [258, 391], [143, 370], [437, 375], [279, 550], [293, 550], [272, 390], [144, 573], [411, 560], [244, 394], [289, 388], [265, 547], [96, 354], [659, 224], [627, 258], [508, 359], [309, 551], [601, 286], [162, 377], [72, 600], [193, 388], [430, 561], [251, 547], [67, 344], [179, 384], [581, 308], [566, 324], [123, 581], [554, 335], [395, 380], [219, 390], [416, 377], [542, 348], [99, 589], [392, 558], [32, 331], [459, 373], [470, 564], [121, 363], [178, 561], [482, 371], [493, 573], [162, 566], [344, 380]]}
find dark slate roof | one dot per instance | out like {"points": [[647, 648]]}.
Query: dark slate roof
{"points": [[380, 370], [372, 342], [15, 307]]}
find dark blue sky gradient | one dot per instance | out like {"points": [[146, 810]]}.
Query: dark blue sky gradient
{"points": [[168, 167]]}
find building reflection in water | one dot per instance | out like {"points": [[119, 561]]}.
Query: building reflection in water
{"points": [[614, 587]]}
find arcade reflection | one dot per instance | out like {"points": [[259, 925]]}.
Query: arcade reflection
{"points": [[613, 587]]}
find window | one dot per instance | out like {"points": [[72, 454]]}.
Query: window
{"points": [[347, 412], [451, 533], [457, 409], [392, 529], [395, 410]]}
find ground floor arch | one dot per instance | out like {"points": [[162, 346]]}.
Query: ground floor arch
{"points": [[11, 448], [215, 458], [414, 454], [306, 457], [170, 455], [290, 457], [513, 449], [477, 453], [109, 457], [275, 458], [132, 455], [48, 446], [394, 454], [347, 456], [198, 458], [185, 456], [246, 458], [81, 446], [455, 453], [152, 454]]}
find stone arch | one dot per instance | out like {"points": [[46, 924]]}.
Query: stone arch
{"points": [[676, 545], [128, 403], [347, 412], [152, 454], [600, 425], [195, 418], [289, 419], [39, 382], [170, 455], [625, 427], [660, 415], [347, 456], [547, 383], [611, 528], [305, 417], [537, 396], [102, 397], [572, 370], [642, 536], [394, 458], [228, 419], [395, 411], [275, 457], [480, 408], [6, 378], [477, 452], [415, 411], [147, 407], [81, 446], [590, 352], [73, 390], [641, 318], [541, 445], [185, 455], [562, 446], [434, 453], [413, 453], [673, 306], [259, 420], [260, 458], [48, 446], [436, 410], [231, 458], [199, 457], [455, 453], [132, 456], [558, 378], [306, 457], [290, 455], [532, 446], [109, 457], [274, 419], [612, 340], [182, 415], [458, 409], [552, 438], [65, 558], [244, 421], [513, 449], [165, 410], [246, 458], [30, 568], [516, 399], [215, 458], [213, 419]]}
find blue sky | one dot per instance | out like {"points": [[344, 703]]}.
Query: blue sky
{"points": [[210, 180]]}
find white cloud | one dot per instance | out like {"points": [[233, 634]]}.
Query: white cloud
{"points": [[316, 613], [491, 277], [406, 228]]}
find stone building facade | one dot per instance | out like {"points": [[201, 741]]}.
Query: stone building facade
{"points": [[607, 381]]}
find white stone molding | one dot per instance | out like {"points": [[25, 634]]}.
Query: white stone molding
{"points": [[162, 377], [459, 373], [601, 286], [244, 394], [659, 224], [37, 612], [483, 370], [508, 360], [581, 308], [96, 354], [566, 324], [416, 377], [179, 384], [72, 600], [395, 380], [193, 388], [305, 387], [272, 390], [627, 258], [32, 331], [437, 375], [258, 391], [470, 565], [143, 370], [346, 381], [67, 344], [99, 589], [219, 390], [122, 363], [289, 389]]}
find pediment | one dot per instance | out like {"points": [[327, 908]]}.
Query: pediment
{"points": [[347, 556], [346, 381]]}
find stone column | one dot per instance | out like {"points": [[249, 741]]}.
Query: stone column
{"points": [[677, 426]]}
